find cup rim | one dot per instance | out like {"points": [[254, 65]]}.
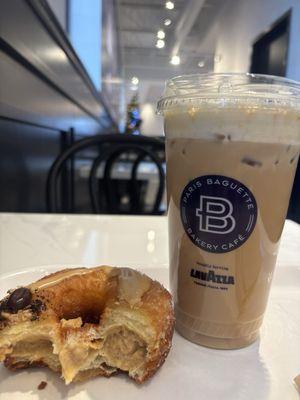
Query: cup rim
{"points": [[247, 87]]}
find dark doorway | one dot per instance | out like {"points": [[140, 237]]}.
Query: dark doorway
{"points": [[270, 51], [270, 56]]}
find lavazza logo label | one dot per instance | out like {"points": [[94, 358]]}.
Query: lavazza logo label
{"points": [[218, 213]]}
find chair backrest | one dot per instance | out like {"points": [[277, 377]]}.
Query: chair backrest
{"points": [[144, 147]]}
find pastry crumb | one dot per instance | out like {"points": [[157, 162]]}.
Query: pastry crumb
{"points": [[297, 382], [42, 385]]}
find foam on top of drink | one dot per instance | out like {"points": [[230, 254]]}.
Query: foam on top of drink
{"points": [[237, 106]]}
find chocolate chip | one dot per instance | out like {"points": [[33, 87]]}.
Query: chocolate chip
{"points": [[19, 299], [3, 323], [37, 306], [42, 385], [2, 318], [3, 305]]}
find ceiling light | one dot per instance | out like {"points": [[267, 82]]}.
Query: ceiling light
{"points": [[160, 44], [217, 58], [175, 60], [135, 80], [161, 34], [167, 22], [201, 64], [169, 5]]}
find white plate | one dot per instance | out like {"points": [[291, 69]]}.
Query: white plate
{"points": [[262, 371]]}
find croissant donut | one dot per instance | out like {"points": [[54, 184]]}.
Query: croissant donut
{"points": [[88, 322]]}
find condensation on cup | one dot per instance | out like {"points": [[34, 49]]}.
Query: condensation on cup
{"points": [[232, 143]]}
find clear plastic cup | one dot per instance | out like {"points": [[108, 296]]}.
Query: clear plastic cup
{"points": [[232, 144]]}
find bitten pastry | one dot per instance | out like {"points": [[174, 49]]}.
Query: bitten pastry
{"points": [[87, 322]]}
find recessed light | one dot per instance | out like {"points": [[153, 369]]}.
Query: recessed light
{"points": [[135, 80], [160, 44], [175, 60], [201, 64], [167, 22], [161, 34], [169, 5]]}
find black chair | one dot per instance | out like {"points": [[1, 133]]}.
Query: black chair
{"points": [[111, 147]]}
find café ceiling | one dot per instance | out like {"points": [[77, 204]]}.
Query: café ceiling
{"points": [[191, 35]]}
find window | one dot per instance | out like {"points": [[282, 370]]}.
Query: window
{"points": [[85, 27]]}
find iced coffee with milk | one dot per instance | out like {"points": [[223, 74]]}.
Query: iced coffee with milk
{"points": [[232, 143]]}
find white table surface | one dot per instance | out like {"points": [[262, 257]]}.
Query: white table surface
{"points": [[263, 371], [44, 239]]}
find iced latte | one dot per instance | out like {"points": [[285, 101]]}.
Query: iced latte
{"points": [[232, 152]]}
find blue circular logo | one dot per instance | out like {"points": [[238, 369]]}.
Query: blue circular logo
{"points": [[218, 213]]}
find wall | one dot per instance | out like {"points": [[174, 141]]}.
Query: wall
{"points": [[242, 21], [45, 94], [152, 123], [26, 155]]}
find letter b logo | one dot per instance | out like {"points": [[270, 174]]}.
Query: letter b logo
{"points": [[215, 215]]}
